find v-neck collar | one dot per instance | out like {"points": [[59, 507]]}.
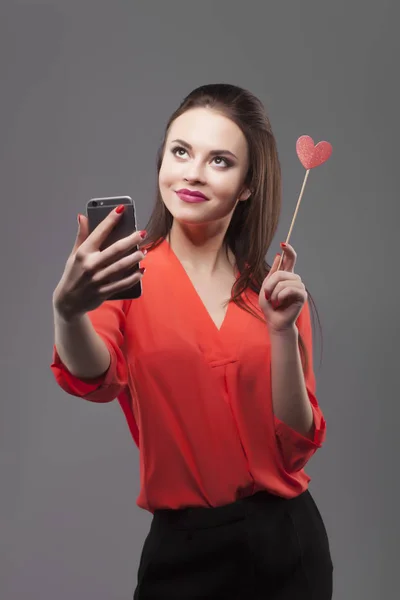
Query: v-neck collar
{"points": [[194, 293]]}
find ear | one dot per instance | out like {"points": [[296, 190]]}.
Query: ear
{"points": [[245, 195]]}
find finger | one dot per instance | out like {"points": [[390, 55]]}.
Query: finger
{"points": [[288, 296], [118, 269], [274, 266], [284, 285], [83, 232], [279, 276], [112, 288], [98, 236], [120, 248], [290, 257]]}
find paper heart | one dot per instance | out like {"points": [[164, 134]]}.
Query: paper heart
{"points": [[312, 156]]}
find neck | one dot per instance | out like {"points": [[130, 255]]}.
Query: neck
{"points": [[201, 252]]}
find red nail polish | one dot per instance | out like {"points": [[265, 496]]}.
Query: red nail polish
{"points": [[120, 209], [283, 245], [266, 295], [143, 234], [142, 270]]}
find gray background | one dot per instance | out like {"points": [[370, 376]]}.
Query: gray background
{"points": [[85, 92]]}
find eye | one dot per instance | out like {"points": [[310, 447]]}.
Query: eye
{"points": [[220, 161], [224, 162], [179, 151]]}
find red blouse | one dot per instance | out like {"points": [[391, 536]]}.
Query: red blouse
{"points": [[197, 400]]}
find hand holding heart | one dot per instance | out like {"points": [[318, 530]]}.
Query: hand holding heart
{"points": [[282, 294]]}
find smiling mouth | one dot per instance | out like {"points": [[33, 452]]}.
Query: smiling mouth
{"points": [[191, 196]]}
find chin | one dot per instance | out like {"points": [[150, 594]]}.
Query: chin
{"points": [[190, 219]]}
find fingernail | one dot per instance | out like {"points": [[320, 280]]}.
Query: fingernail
{"points": [[277, 255], [266, 295], [120, 209], [143, 234], [142, 270], [79, 219], [283, 245], [144, 252]]}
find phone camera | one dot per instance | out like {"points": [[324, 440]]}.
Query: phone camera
{"points": [[95, 203]]}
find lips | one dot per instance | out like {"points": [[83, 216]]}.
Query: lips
{"points": [[191, 196]]}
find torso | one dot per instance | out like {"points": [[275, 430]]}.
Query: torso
{"points": [[214, 292]]}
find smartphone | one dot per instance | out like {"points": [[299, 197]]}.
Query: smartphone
{"points": [[97, 209]]}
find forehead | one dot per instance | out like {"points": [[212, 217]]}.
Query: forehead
{"points": [[204, 128]]}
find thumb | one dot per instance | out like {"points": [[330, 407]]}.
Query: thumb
{"points": [[83, 232]]}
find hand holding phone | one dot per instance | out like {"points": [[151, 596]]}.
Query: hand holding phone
{"points": [[104, 262]]}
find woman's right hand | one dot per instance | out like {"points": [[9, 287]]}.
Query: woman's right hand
{"points": [[92, 276]]}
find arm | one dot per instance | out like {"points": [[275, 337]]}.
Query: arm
{"points": [[299, 422], [88, 354], [289, 394], [79, 347]]}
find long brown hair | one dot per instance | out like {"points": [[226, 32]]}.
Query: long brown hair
{"points": [[254, 222]]}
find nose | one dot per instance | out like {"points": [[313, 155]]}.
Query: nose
{"points": [[194, 173]]}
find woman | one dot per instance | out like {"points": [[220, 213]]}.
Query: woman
{"points": [[212, 365]]}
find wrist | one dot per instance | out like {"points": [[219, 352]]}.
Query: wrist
{"points": [[62, 314], [288, 334]]}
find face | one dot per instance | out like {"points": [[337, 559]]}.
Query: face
{"points": [[207, 153]]}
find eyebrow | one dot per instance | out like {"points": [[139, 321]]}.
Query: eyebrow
{"points": [[212, 153]]}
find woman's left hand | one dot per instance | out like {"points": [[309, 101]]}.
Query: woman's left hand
{"points": [[283, 294]]}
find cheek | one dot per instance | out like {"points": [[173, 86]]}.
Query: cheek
{"points": [[162, 181], [168, 173], [227, 185]]}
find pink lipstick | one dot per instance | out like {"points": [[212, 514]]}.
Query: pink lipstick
{"points": [[191, 196]]}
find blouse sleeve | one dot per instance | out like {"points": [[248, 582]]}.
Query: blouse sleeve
{"points": [[109, 322], [297, 449]]}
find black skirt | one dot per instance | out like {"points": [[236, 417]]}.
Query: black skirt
{"points": [[259, 547]]}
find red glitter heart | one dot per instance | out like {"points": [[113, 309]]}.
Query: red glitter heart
{"points": [[310, 155]]}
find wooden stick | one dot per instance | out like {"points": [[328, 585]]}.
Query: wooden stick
{"points": [[295, 215]]}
